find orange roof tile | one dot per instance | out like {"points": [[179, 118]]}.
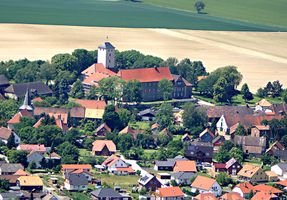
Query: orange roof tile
{"points": [[185, 166], [146, 74], [170, 192], [98, 145], [205, 196], [38, 123], [267, 188], [37, 99], [76, 166], [271, 174], [111, 160], [264, 103], [283, 183], [200, 78], [202, 182], [30, 181], [125, 169], [248, 170], [231, 196], [263, 196], [5, 133], [245, 187], [21, 172], [98, 67], [17, 117], [95, 78], [263, 127], [91, 104], [32, 147]]}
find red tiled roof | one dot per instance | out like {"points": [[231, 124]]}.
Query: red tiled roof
{"points": [[91, 104], [219, 165], [263, 196], [98, 67], [17, 117], [202, 182], [98, 145], [5, 133], [284, 183], [21, 172], [38, 123], [185, 166], [170, 192], [76, 166], [37, 99], [245, 187], [231, 196], [32, 147], [111, 160], [146, 74], [54, 155], [267, 188], [125, 169], [205, 196], [95, 78]]}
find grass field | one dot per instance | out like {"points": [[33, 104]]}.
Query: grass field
{"points": [[266, 12], [129, 14]]}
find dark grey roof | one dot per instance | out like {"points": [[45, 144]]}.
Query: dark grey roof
{"points": [[35, 87], [145, 179], [3, 80], [218, 111], [77, 179], [106, 192], [11, 195], [166, 163], [107, 45], [147, 111], [10, 167], [281, 154], [183, 175], [283, 166]]}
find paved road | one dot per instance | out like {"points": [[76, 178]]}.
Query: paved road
{"points": [[135, 165]]}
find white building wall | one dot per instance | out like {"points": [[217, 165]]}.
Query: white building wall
{"points": [[277, 170], [221, 125], [106, 57]]}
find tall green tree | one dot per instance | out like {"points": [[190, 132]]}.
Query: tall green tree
{"points": [[165, 88], [194, 118], [240, 130], [63, 91], [65, 62], [111, 88], [221, 93], [164, 116], [77, 90], [112, 118], [132, 91], [18, 156], [47, 72], [11, 141], [247, 95], [284, 95], [199, 6], [69, 152]]}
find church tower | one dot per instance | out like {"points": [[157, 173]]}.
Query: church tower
{"points": [[27, 102], [106, 55]]}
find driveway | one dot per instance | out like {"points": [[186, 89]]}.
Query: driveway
{"points": [[135, 165]]}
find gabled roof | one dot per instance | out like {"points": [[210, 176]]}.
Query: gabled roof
{"points": [[147, 111], [169, 192], [178, 77], [97, 68], [202, 182], [131, 131], [5, 133], [125, 169], [281, 154], [94, 79], [10, 167], [20, 89], [30, 181], [76, 166], [275, 146], [248, 170], [264, 103], [3, 80], [250, 141], [32, 147], [106, 193], [282, 166], [219, 165], [11, 178], [91, 104], [230, 163], [17, 117], [146, 179], [231, 196], [283, 183], [111, 160], [144, 75], [185, 166], [54, 156], [263, 196], [77, 179], [271, 174], [206, 131], [98, 145], [21, 172], [246, 188], [183, 175], [205, 196], [218, 111], [262, 127]]}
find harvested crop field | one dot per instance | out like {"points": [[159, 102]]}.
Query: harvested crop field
{"points": [[260, 56]]}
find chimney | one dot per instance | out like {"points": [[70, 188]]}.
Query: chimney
{"points": [[156, 68]]}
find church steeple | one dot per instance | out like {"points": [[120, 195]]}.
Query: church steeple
{"points": [[27, 103]]}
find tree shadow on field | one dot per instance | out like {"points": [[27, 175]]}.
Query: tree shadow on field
{"points": [[135, 1], [202, 13]]}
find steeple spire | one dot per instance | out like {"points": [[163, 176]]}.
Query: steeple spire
{"points": [[27, 103]]}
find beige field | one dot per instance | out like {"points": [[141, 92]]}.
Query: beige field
{"points": [[260, 57]]}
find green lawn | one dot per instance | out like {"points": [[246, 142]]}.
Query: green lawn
{"points": [[140, 125], [266, 12], [130, 14]]}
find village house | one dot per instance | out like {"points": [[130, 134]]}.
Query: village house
{"points": [[264, 196], [169, 193], [76, 182], [206, 136], [114, 164], [102, 130], [167, 165], [149, 182], [260, 130], [205, 196], [252, 173], [204, 184], [254, 146], [68, 168], [185, 166], [243, 189], [32, 147], [11, 178], [30, 183], [17, 91], [94, 109], [199, 151], [276, 146], [267, 189], [182, 178], [217, 142], [16, 119], [231, 196], [186, 138], [129, 130], [4, 83], [280, 169], [108, 193], [147, 114], [6, 133], [233, 166], [35, 157], [10, 168], [272, 176], [103, 148]]}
